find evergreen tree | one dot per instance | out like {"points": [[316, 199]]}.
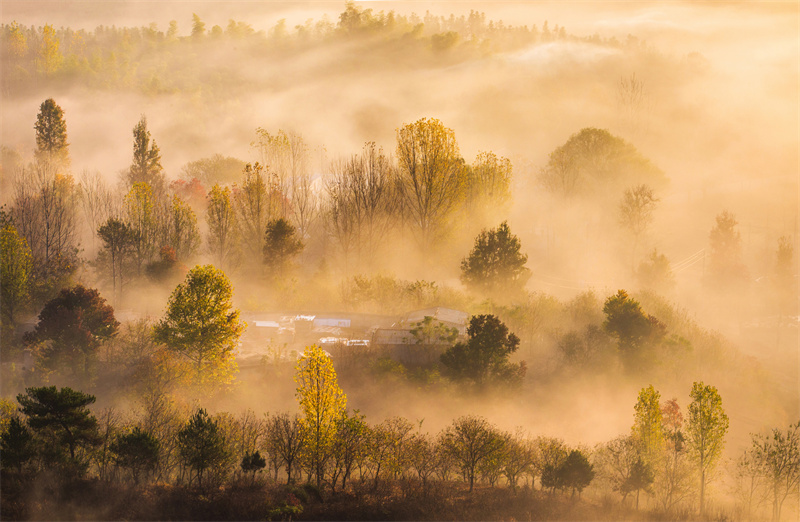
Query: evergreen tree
{"points": [[51, 133]]}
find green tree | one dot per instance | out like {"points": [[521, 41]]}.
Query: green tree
{"points": [[706, 428], [281, 245], [201, 444], [576, 472], [253, 463], [146, 165], [470, 441], [483, 359], [61, 415], [137, 451], [51, 133], [432, 176], [16, 265], [647, 425], [634, 329], [641, 477], [322, 404], [72, 326], [777, 456], [201, 325], [17, 446], [495, 263]]}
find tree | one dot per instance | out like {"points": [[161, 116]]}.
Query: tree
{"points": [[647, 427], [16, 445], [785, 280], [146, 166], [281, 245], [140, 213], [49, 59], [44, 213], [432, 176], [76, 323], [15, 270], [223, 228], [349, 446], [116, 255], [253, 463], [673, 485], [634, 329], [470, 441], [593, 161], [495, 263], [655, 273], [255, 205], [706, 428], [484, 357], [137, 451], [62, 414], [725, 264], [201, 325], [575, 472], [198, 27], [184, 234], [201, 444], [636, 213], [284, 442], [322, 404], [216, 169], [489, 183], [641, 477], [778, 458], [51, 133]]}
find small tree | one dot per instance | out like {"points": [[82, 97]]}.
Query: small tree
{"points": [[16, 446], [201, 444], [726, 251], [137, 451], [201, 325], [253, 463], [641, 477], [61, 415], [75, 323], [116, 255], [16, 266], [146, 166], [281, 245], [633, 328], [647, 427], [636, 213], [706, 428], [576, 472], [51, 133], [471, 441], [322, 404], [284, 442], [777, 456], [495, 263], [484, 357]]}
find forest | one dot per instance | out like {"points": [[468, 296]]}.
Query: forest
{"points": [[356, 262]]}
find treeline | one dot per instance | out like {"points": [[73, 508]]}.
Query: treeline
{"points": [[668, 456], [139, 57]]}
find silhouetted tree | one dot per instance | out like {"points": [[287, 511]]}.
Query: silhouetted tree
{"points": [[484, 357], [75, 323], [495, 263], [51, 133], [137, 451], [281, 245], [201, 444]]}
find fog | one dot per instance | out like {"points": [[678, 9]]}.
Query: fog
{"points": [[718, 114]]}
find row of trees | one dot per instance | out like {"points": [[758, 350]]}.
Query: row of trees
{"points": [[112, 56], [333, 448]]}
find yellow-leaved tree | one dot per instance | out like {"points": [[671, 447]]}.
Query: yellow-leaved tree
{"points": [[322, 404]]}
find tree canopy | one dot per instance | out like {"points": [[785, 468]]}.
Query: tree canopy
{"points": [[483, 359], [496, 263], [51, 133], [202, 326]]}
